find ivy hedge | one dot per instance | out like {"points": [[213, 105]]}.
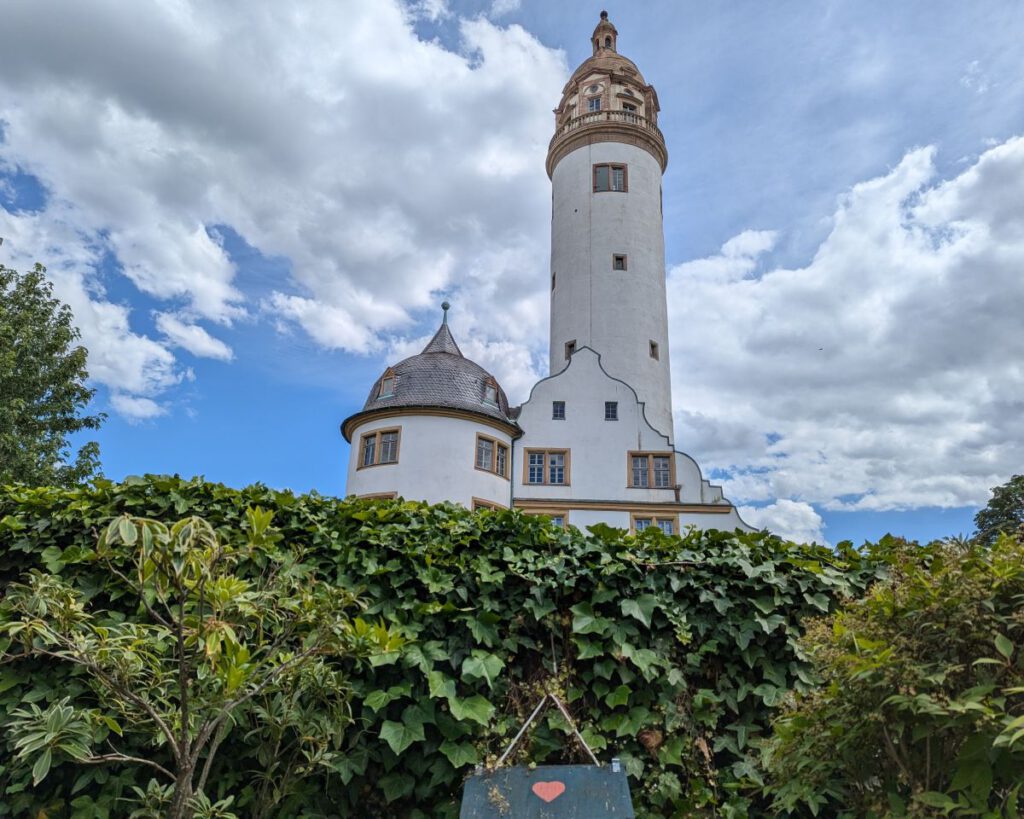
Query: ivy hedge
{"points": [[673, 654]]}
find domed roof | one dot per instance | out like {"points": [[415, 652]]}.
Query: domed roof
{"points": [[439, 377], [606, 57]]}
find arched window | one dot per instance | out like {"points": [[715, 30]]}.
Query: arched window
{"points": [[607, 42]]}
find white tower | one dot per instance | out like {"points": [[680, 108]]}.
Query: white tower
{"points": [[605, 162]]}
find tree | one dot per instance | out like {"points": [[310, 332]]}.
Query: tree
{"points": [[1004, 512], [207, 646], [42, 385]]}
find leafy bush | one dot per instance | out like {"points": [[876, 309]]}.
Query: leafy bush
{"points": [[673, 654], [921, 711]]}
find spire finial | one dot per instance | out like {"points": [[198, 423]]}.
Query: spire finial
{"points": [[446, 307], [604, 15]]}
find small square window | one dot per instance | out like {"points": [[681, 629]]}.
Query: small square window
{"points": [[611, 410], [618, 261], [610, 178], [654, 351], [558, 410], [570, 348]]}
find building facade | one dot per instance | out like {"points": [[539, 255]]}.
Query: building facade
{"points": [[594, 442]]}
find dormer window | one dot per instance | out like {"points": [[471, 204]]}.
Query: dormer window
{"points": [[491, 392], [387, 386]]}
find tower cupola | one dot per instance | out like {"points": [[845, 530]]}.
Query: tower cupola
{"points": [[604, 35]]}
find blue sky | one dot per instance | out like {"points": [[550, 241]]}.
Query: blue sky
{"points": [[254, 207]]}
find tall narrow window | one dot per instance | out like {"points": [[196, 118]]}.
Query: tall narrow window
{"points": [[558, 410], [490, 392], [570, 348], [380, 447], [484, 453], [547, 467], [610, 178], [651, 470], [654, 351], [611, 410], [594, 104], [552, 281]]}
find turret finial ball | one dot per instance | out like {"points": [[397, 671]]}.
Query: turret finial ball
{"points": [[604, 15]]}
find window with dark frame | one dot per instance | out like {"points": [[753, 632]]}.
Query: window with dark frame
{"points": [[611, 178], [380, 447], [611, 410], [558, 410], [618, 261], [547, 467]]}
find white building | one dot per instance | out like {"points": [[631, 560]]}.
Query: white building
{"points": [[595, 440]]}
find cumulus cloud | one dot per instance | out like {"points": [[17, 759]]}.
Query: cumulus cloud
{"points": [[192, 337], [791, 520], [377, 164], [136, 408], [885, 374]]}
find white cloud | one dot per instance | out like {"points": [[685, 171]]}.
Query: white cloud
{"points": [[499, 8], [885, 374], [192, 337], [135, 408], [376, 164], [790, 520]]}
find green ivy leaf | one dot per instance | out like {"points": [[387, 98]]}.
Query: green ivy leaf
{"points": [[399, 736], [1004, 646], [481, 665], [459, 754], [475, 708]]}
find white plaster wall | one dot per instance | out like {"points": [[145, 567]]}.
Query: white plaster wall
{"points": [[599, 449], [436, 462], [617, 313]]}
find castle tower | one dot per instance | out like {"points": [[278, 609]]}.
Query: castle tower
{"points": [[605, 162]]}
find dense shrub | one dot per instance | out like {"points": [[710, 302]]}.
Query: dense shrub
{"points": [[921, 710], [673, 654]]}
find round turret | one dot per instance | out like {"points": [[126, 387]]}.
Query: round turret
{"points": [[439, 426]]}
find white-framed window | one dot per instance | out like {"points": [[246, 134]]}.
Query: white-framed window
{"points": [[379, 447], [628, 106], [594, 104], [546, 467], [491, 392], [651, 470]]}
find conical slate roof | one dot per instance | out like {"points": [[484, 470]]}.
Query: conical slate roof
{"points": [[440, 377]]}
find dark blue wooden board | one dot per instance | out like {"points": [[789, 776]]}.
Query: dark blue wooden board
{"points": [[590, 792]]}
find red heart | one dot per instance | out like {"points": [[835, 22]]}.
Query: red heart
{"points": [[549, 791]]}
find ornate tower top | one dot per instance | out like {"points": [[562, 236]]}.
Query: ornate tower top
{"points": [[606, 100], [604, 35]]}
